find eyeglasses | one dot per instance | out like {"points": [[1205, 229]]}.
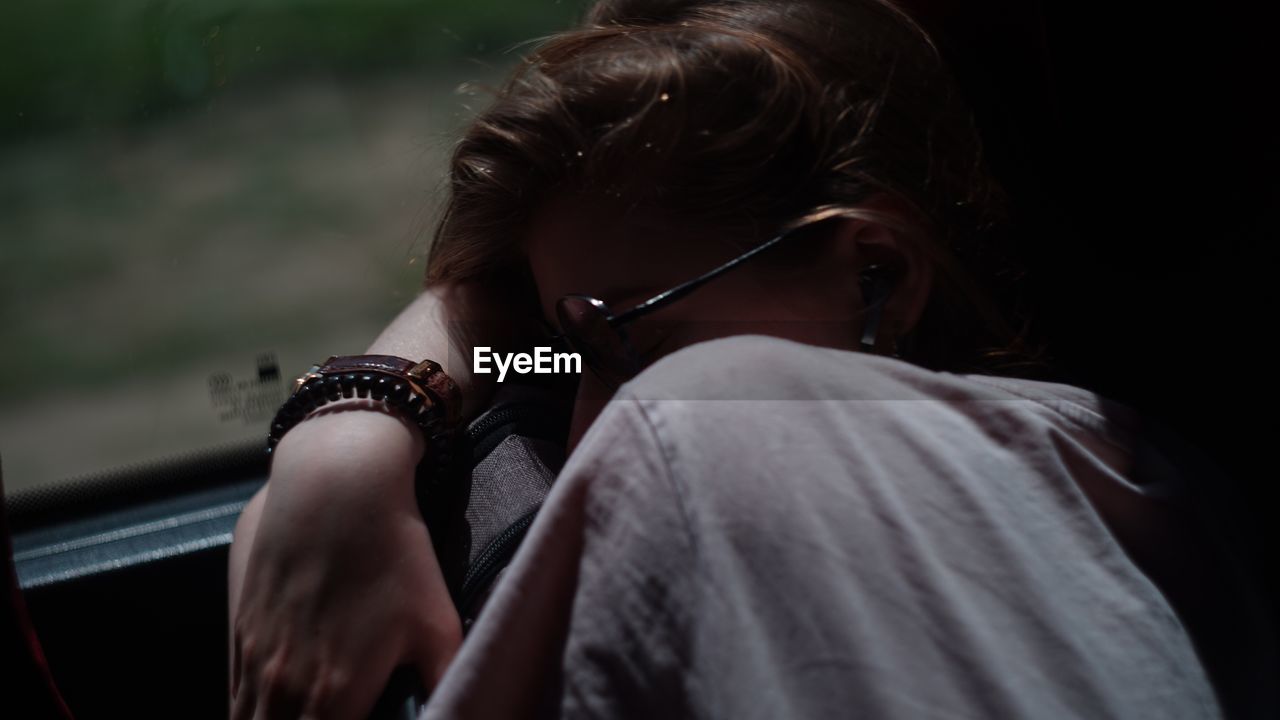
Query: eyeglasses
{"points": [[589, 328]]}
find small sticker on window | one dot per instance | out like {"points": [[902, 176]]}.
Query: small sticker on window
{"points": [[251, 399]]}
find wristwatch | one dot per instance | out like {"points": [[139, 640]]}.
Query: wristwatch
{"points": [[420, 392]]}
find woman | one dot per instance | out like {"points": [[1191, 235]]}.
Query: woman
{"points": [[809, 487]]}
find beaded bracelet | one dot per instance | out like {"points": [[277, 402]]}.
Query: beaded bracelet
{"points": [[420, 393]]}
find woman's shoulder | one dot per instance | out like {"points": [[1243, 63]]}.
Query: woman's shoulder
{"points": [[763, 367], [798, 388], [770, 368]]}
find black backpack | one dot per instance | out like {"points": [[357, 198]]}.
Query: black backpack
{"points": [[507, 459], [510, 455]]}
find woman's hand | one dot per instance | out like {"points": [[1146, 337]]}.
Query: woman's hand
{"points": [[341, 583], [333, 581]]}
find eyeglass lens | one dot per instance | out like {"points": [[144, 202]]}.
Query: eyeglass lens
{"points": [[585, 324]]}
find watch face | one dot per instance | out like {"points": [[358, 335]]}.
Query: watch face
{"points": [[365, 363]]}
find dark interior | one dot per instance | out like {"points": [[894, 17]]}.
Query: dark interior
{"points": [[1144, 150]]}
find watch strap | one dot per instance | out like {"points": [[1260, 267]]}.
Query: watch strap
{"points": [[420, 392], [426, 375]]}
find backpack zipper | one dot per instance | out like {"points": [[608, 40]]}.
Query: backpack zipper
{"points": [[499, 551], [494, 556], [496, 417]]}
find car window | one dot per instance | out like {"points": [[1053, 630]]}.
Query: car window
{"points": [[198, 200]]}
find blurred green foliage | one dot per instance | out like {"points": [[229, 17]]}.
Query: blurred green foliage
{"points": [[188, 184], [94, 63]]}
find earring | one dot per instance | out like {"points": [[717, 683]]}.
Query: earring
{"points": [[875, 291]]}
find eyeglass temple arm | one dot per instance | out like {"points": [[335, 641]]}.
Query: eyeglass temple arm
{"points": [[679, 291]]}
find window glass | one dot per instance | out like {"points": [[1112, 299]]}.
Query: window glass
{"points": [[200, 199]]}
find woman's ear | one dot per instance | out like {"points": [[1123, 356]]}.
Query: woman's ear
{"points": [[878, 234]]}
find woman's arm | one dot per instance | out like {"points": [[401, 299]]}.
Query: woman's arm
{"points": [[442, 323], [331, 561]]}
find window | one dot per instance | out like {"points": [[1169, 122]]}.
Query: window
{"points": [[198, 200]]}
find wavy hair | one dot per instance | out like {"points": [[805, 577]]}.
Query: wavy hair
{"points": [[751, 117]]}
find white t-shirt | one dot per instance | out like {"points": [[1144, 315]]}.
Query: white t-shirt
{"points": [[757, 528]]}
